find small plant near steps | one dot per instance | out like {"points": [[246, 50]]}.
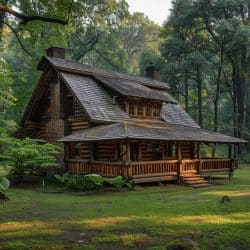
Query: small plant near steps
{"points": [[194, 180]]}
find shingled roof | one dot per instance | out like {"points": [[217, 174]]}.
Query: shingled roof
{"points": [[79, 68], [131, 88], [174, 114], [93, 98], [149, 131]]}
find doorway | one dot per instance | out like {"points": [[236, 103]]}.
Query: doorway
{"points": [[134, 151]]}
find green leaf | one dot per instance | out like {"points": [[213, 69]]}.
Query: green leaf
{"points": [[116, 181], [95, 178], [4, 183]]}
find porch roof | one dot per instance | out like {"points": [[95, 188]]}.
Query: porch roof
{"points": [[149, 131]]}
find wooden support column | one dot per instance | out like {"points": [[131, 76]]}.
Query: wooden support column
{"points": [[230, 156], [230, 151], [235, 156], [127, 168], [198, 145], [179, 158]]}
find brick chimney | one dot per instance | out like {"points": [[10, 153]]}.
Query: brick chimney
{"points": [[56, 52], [153, 72]]}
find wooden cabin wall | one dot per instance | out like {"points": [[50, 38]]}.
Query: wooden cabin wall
{"points": [[149, 151], [188, 151], [105, 151]]}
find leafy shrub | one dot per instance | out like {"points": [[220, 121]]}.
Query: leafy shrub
{"points": [[116, 181], [28, 153], [80, 182], [4, 182]]}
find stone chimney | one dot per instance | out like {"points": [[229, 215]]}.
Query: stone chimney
{"points": [[153, 72], [56, 52]]}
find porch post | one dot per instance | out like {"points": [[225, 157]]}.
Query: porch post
{"points": [[179, 158], [235, 156], [199, 157], [127, 168], [127, 151], [232, 161], [229, 151]]}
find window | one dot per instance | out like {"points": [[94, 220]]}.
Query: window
{"points": [[75, 150], [140, 109], [171, 149], [148, 110], [131, 108], [153, 147], [156, 111]]}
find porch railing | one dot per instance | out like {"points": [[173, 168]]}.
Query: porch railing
{"points": [[155, 167], [168, 167], [189, 166], [209, 165], [102, 168]]}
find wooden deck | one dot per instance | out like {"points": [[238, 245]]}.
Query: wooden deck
{"points": [[152, 170]]}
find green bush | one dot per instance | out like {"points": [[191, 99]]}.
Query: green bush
{"points": [[4, 182], [28, 153], [80, 182]]}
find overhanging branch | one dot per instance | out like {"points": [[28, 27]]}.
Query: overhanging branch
{"points": [[26, 19]]}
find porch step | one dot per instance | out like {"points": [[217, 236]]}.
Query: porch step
{"points": [[195, 181], [192, 178]]}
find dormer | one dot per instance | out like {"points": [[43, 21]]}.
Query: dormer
{"points": [[143, 108]]}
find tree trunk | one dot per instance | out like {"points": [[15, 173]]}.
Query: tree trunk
{"points": [[217, 96], [239, 94], [186, 95], [199, 94]]}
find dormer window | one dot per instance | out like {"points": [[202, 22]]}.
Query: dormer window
{"points": [[143, 109], [131, 108], [156, 111], [148, 110], [140, 109]]}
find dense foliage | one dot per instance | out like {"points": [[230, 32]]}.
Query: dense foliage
{"points": [[4, 182], [202, 50], [80, 182], [207, 61], [28, 153]]}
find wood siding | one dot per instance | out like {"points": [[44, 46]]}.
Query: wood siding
{"points": [[105, 151]]}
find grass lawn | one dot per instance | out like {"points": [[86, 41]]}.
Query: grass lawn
{"points": [[149, 218]]}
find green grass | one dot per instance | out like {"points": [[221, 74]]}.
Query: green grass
{"points": [[149, 218]]}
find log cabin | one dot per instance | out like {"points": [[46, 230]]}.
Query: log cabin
{"points": [[113, 124]]}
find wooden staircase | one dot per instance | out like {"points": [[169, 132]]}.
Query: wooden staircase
{"points": [[194, 180]]}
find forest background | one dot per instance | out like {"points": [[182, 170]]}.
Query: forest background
{"points": [[202, 50]]}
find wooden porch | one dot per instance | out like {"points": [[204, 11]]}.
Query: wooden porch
{"points": [[148, 171]]}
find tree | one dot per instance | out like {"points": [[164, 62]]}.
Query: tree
{"points": [[207, 42]]}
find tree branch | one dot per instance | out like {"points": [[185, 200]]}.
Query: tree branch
{"points": [[26, 19], [17, 37]]}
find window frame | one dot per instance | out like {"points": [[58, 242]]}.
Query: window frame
{"points": [[144, 109]]}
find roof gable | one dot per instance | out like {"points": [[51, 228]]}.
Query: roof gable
{"points": [[130, 88], [93, 98]]}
